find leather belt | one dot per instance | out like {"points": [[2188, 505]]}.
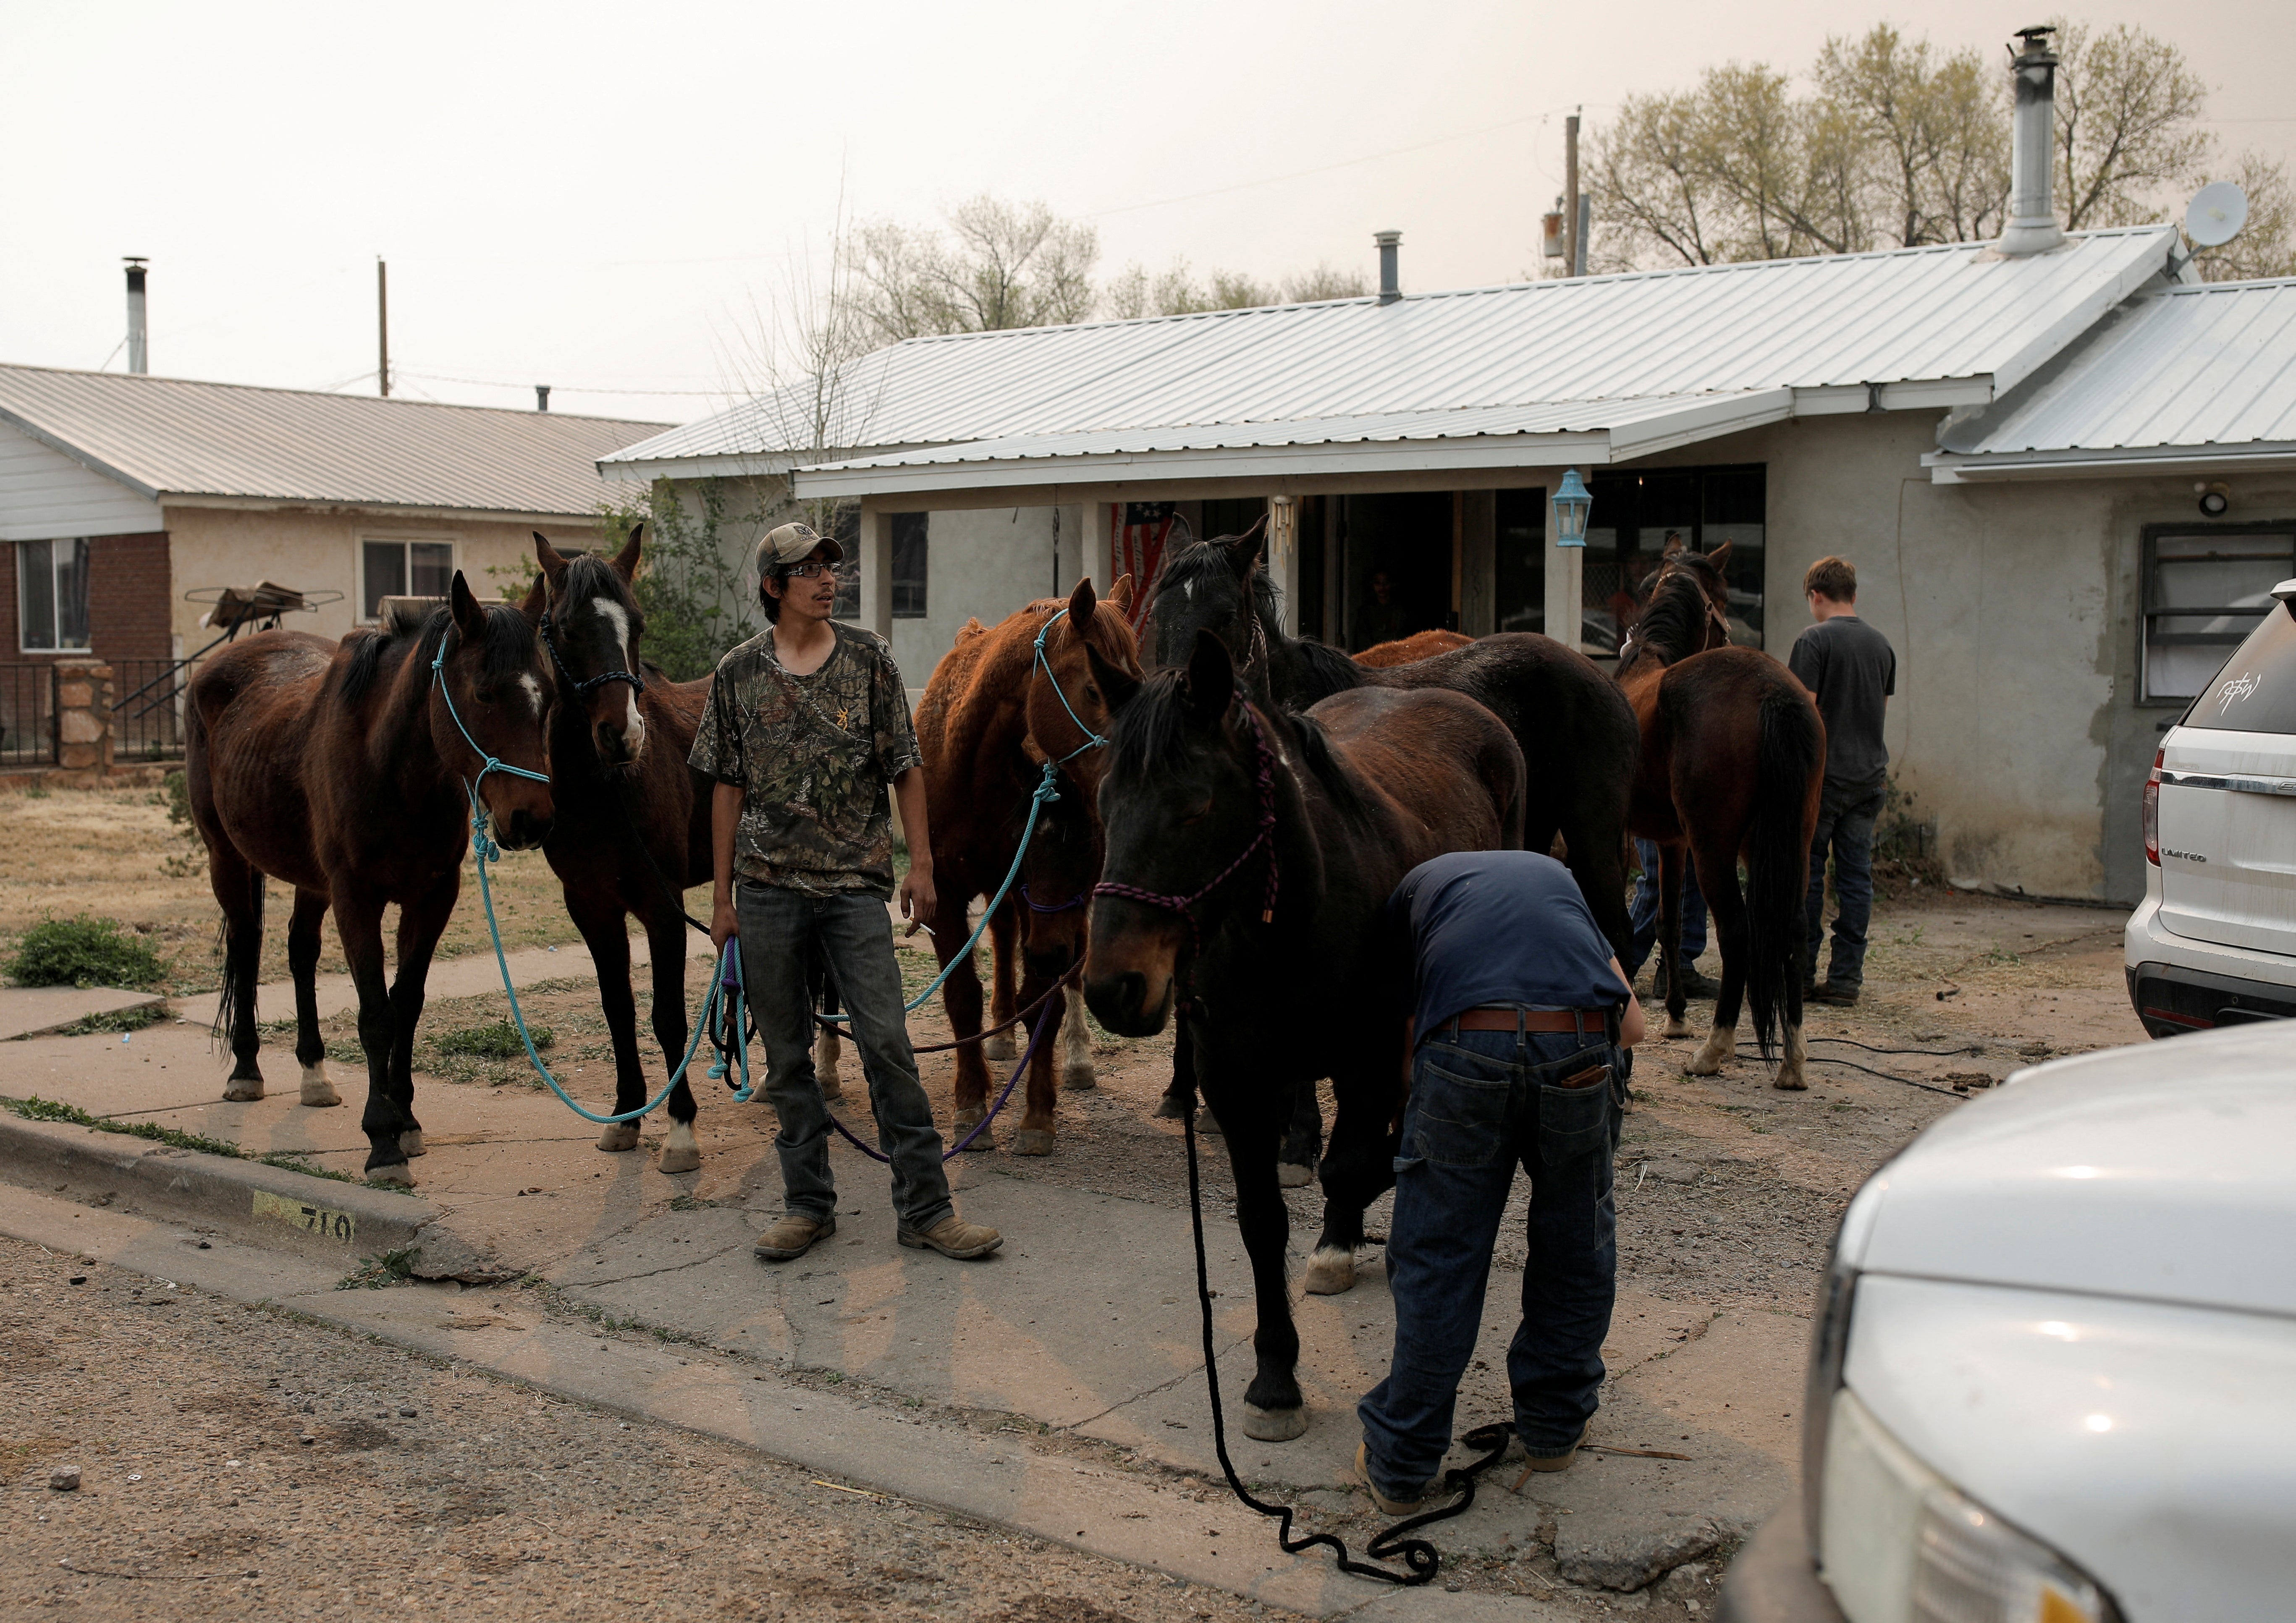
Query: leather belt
{"points": [[1498, 1017]]}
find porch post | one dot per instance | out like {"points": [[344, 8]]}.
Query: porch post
{"points": [[1284, 556], [1565, 587], [876, 561], [1478, 615], [1096, 561]]}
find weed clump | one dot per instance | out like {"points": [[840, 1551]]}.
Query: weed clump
{"points": [[86, 951], [494, 1040]]}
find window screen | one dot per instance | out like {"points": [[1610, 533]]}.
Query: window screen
{"points": [[908, 564], [52, 595], [403, 568], [2205, 590]]}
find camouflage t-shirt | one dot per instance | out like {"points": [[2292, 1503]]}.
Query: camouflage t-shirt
{"points": [[816, 755]]}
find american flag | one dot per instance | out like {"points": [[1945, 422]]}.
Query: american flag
{"points": [[1136, 547]]}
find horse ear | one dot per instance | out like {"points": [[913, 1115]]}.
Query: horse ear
{"points": [[1243, 551], [1115, 685], [1212, 678], [1082, 604], [553, 561], [625, 562], [1720, 556], [538, 601], [468, 616], [1119, 595], [1673, 545]]}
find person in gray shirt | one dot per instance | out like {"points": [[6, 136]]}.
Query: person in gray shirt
{"points": [[1851, 670]]}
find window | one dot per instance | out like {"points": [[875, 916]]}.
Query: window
{"points": [[1634, 515], [2205, 590], [403, 569], [2254, 693], [908, 564], [52, 595], [845, 527]]}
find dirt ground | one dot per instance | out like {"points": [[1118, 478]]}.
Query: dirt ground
{"points": [[114, 853], [242, 1463]]}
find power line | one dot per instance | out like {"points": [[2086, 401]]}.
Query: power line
{"points": [[558, 389]]}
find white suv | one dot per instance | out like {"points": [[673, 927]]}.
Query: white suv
{"points": [[2214, 943], [2053, 1378]]}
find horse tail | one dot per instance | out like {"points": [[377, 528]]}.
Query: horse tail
{"points": [[1788, 753]]}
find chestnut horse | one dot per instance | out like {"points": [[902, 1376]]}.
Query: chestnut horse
{"points": [[972, 732], [1250, 854], [633, 825], [341, 769], [1733, 760], [1418, 646]]}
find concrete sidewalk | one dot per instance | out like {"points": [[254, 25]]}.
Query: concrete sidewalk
{"points": [[1082, 1333]]}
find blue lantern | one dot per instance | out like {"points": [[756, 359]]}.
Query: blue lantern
{"points": [[1571, 506]]}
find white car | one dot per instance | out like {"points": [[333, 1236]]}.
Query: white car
{"points": [[2054, 1376], [2214, 943]]}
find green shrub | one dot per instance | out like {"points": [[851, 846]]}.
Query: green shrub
{"points": [[495, 1040], [86, 951]]}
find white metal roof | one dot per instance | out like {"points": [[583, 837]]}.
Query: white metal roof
{"points": [[1927, 327], [2188, 377], [169, 437]]}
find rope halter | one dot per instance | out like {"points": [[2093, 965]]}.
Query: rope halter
{"points": [[581, 685], [481, 840], [1092, 740], [1186, 905]]}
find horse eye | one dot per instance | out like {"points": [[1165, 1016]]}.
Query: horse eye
{"points": [[1091, 693], [484, 695]]}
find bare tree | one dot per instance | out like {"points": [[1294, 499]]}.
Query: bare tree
{"points": [[999, 264], [2266, 245], [1133, 292], [2129, 108], [1934, 131]]}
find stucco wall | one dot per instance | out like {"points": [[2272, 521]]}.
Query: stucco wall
{"points": [[983, 564]]}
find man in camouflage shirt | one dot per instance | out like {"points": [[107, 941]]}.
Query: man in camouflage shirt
{"points": [[806, 726]]}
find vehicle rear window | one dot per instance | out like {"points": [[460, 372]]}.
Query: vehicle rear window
{"points": [[2256, 690]]}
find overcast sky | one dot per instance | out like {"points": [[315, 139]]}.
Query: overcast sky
{"points": [[598, 197]]}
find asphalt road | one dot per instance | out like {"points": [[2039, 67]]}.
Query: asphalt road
{"points": [[242, 1463]]}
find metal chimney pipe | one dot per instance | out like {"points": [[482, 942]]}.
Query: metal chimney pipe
{"points": [[2033, 225], [1390, 288], [542, 397], [139, 356]]}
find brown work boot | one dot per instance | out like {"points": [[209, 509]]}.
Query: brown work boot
{"points": [[1558, 1461], [1391, 1507], [791, 1234], [953, 1236]]}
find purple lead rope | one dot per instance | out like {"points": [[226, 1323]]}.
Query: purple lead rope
{"points": [[1035, 1032]]}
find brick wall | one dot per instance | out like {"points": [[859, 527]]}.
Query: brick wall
{"points": [[129, 586]]}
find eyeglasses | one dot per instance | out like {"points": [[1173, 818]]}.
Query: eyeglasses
{"points": [[806, 570]]}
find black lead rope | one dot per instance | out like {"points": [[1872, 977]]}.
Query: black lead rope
{"points": [[1417, 1553]]}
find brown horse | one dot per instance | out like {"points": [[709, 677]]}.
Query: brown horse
{"points": [[1250, 854], [1408, 650], [1733, 759], [632, 826], [972, 732], [341, 769]]}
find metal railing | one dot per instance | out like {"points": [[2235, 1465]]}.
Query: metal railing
{"points": [[147, 710], [28, 715]]}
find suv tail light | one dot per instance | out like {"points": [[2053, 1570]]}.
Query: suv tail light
{"points": [[2152, 810]]}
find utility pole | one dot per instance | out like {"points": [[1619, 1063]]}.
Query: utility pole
{"points": [[1573, 251], [382, 314]]}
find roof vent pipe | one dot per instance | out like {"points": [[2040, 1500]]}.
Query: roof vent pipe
{"points": [[2033, 225], [1390, 288], [139, 357]]}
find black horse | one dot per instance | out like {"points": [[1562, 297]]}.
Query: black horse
{"points": [[1249, 856]]}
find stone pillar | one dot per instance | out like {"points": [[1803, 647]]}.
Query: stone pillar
{"points": [[83, 715], [876, 561]]}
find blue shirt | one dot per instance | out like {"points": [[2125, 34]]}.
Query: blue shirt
{"points": [[1498, 927]]}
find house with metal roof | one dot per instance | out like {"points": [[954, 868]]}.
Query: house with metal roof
{"points": [[128, 502], [2034, 459]]}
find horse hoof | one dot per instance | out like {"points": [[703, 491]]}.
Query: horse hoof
{"points": [[1081, 1079], [1171, 1107], [1675, 1027], [967, 1121], [679, 1153], [618, 1135], [1031, 1141], [1720, 1046], [1789, 1080], [410, 1143], [1331, 1271], [1000, 1047], [1290, 1174], [318, 1090], [832, 1091], [242, 1090], [1274, 1425], [1209, 1125], [399, 1175]]}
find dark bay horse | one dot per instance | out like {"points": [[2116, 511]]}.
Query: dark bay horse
{"points": [[973, 731], [633, 825], [339, 768], [1733, 760], [1249, 856]]}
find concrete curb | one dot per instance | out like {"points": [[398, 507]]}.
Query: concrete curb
{"points": [[262, 1205]]}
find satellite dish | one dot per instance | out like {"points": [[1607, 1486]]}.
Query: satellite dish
{"points": [[2216, 214]]}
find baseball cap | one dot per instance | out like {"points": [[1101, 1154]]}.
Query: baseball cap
{"points": [[793, 543]]}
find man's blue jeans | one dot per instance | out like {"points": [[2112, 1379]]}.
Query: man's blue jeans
{"points": [[1482, 1101], [1642, 915], [1846, 815], [778, 926]]}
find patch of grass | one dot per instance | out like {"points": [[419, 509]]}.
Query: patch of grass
{"points": [[36, 1109], [116, 1019], [84, 951], [689, 1202], [494, 1040], [380, 1272], [38, 791]]}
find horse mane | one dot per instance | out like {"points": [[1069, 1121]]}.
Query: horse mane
{"points": [[1148, 735], [1673, 620], [1329, 670], [508, 649], [587, 575], [1191, 561]]}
